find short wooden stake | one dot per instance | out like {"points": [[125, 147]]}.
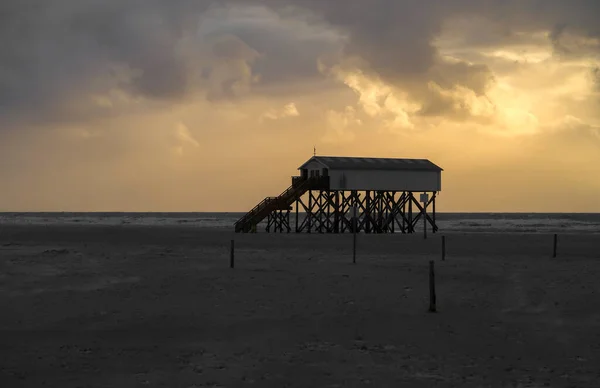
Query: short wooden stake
{"points": [[432, 306], [231, 257], [555, 244], [443, 247]]}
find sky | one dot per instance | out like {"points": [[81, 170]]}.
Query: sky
{"points": [[193, 105]]}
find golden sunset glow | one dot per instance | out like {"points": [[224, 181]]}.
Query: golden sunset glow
{"points": [[213, 108]]}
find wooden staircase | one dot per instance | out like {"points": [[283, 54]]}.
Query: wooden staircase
{"points": [[282, 202]]}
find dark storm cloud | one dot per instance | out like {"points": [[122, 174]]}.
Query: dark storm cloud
{"points": [[285, 51], [53, 53], [56, 55], [288, 48], [395, 37]]}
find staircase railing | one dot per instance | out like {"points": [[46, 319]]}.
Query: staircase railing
{"points": [[293, 189], [297, 184], [255, 209]]}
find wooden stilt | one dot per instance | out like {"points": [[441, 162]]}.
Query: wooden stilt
{"points": [[434, 223], [443, 247], [329, 211], [297, 216], [432, 298]]}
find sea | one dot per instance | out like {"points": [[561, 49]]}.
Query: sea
{"points": [[576, 223]]}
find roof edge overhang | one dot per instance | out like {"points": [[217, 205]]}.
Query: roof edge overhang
{"points": [[317, 159], [387, 169], [313, 159]]}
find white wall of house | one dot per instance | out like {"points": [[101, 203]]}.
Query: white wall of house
{"points": [[391, 180]]}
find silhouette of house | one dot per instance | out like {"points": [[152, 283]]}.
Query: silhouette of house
{"points": [[329, 188]]}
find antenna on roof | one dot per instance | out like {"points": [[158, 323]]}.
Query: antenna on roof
{"points": [[314, 150]]}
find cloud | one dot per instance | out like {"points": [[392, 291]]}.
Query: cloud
{"points": [[377, 99], [58, 54], [69, 59], [288, 44], [400, 45], [184, 137], [399, 40], [230, 74], [77, 60], [574, 127], [288, 110], [117, 86], [341, 126]]}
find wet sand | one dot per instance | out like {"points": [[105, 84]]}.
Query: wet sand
{"points": [[93, 306]]}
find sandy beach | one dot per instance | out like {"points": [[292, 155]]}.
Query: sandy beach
{"points": [[130, 306]]}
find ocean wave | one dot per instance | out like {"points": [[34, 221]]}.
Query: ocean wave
{"points": [[456, 222]]}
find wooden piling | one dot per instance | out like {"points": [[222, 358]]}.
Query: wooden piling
{"points": [[354, 226], [425, 222], [231, 256], [443, 247], [432, 305]]}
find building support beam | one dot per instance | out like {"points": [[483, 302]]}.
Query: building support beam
{"points": [[330, 211], [278, 221]]}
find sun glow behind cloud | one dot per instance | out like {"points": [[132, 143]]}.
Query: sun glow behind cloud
{"points": [[522, 100]]}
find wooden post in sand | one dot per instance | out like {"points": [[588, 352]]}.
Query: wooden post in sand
{"points": [[555, 244], [443, 247], [432, 306], [231, 257]]}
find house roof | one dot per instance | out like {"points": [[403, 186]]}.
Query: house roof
{"points": [[351, 163]]}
